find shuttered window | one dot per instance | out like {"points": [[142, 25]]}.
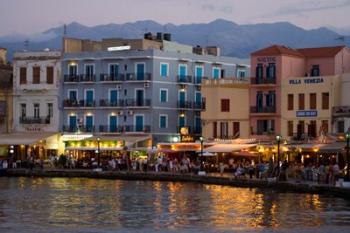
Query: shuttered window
{"points": [[325, 100], [225, 105], [23, 75], [49, 75], [290, 101], [36, 75], [301, 102], [313, 102]]}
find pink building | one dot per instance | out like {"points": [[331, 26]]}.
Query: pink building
{"points": [[270, 65]]}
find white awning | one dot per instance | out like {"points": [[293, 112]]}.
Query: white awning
{"points": [[23, 138], [228, 148]]}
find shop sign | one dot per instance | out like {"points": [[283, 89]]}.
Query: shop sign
{"points": [[306, 81], [187, 138], [75, 137], [266, 59], [312, 113]]}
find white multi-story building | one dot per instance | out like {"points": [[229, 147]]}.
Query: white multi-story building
{"points": [[35, 94]]}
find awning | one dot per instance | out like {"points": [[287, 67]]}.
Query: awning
{"points": [[327, 147], [95, 148], [228, 148], [23, 138]]}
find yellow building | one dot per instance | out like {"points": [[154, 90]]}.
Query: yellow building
{"points": [[226, 113], [307, 104]]}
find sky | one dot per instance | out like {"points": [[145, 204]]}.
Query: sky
{"points": [[34, 16]]}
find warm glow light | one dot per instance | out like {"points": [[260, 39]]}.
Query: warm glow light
{"points": [[315, 149]]}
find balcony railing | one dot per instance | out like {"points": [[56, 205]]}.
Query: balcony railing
{"points": [[137, 103], [265, 109], [138, 77], [182, 79], [112, 78], [87, 78], [78, 103], [111, 129], [340, 111], [263, 80], [110, 103], [198, 105], [184, 104], [71, 78], [34, 120], [135, 128], [83, 128], [79, 78]]}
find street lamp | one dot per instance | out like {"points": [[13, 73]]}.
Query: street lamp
{"points": [[201, 139], [347, 136], [278, 139], [98, 152]]}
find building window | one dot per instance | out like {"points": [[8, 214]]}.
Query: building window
{"points": [[49, 109], [216, 72], [259, 71], [113, 70], [73, 70], [313, 102], [215, 129], [290, 101], [236, 129], [89, 70], [36, 74], [290, 128], [225, 105], [325, 100], [301, 101], [23, 75], [182, 71], [265, 127], [73, 95], [240, 73], [271, 71], [223, 129], [324, 127], [23, 110], [163, 95], [49, 75], [341, 127], [163, 121], [199, 74], [36, 110], [164, 69], [315, 71]]}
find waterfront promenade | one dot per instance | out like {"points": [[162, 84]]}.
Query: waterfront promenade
{"points": [[210, 178]]}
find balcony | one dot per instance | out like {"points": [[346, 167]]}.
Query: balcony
{"points": [[71, 78], [34, 120], [184, 104], [109, 103], [83, 128], [111, 129], [184, 79], [265, 109], [138, 77], [137, 129], [262, 81], [198, 105], [138, 103], [87, 78], [112, 78], [68, 103], [341, 111], [197, 130]]}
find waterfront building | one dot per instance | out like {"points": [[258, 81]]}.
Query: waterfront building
{"points": [[147, 87], [35, 103], [226, 110], [341, 112], [5, 100], [302, 76]]}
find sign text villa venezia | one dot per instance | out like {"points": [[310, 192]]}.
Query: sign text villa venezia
{"points": [[306, 81]]}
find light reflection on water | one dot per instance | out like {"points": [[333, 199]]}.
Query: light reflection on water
{"points": [[41, 204]]}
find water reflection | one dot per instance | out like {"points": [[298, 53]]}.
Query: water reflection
{"points": [[80, 204]]}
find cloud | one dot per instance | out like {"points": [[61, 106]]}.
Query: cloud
{"points": [[299, 8], [226, 9]]}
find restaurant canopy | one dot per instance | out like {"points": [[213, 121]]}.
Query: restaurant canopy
{"points": [[24, 138], [228, 148]]}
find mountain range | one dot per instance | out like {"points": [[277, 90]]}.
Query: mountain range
{"points": [[233, 39]]}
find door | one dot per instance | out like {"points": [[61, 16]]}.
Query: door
{"points": [[259, 102], [113, 97], [181, 122], [300, 130], [198, 125], [113, 71], [72, 123], [73, 95], [236, 129], [182, 99], [89, 98], [183, 73], [199, 74], [89, 123], [140, 98], [140, 71], [198, 100], [312, 129], [113, 123], [139, 123]]}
